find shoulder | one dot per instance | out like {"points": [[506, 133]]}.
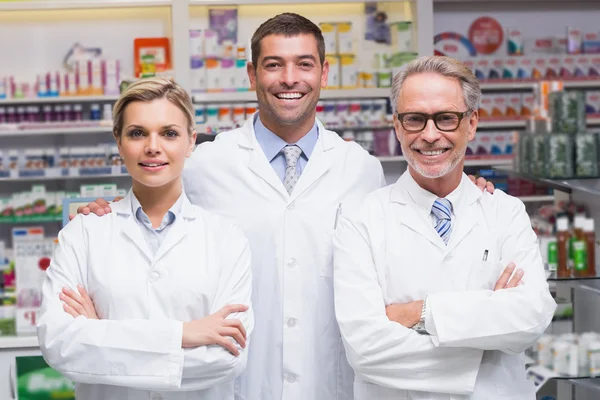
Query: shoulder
{"points": [[82, 227], [221, 227], [354, 154]]}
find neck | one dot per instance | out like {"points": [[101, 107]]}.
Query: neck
{"points": [[441, 186], [291, 133], [156, 201]]}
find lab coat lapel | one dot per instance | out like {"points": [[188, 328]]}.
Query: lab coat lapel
{"points": [[318, 164], [258, 162], [466, 218], [129, 227], [414, 220], [178, 230]]}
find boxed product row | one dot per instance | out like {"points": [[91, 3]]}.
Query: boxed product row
{"points": [[583, 66], [507, 105], [491, 144], [38, 202], [558, 155], [340, 37], [380, 142], [514, 186], [332, 113], [570, 354], [219, 75], [94, 77], [345, 73], [55, 113], [106, 155]]}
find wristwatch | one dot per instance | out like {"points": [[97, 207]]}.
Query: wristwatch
{"points": [[419, 327]]}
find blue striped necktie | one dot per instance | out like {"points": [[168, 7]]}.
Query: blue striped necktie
{"points": [[442, 211]]}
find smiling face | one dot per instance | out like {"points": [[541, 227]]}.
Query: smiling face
{"points": [[288, 78], [433, 154], [154, 143]]}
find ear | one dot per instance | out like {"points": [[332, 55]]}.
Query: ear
{"points": [[193, 138], [473, 120], [397, 127], [119, 144], [251, 74], [325, 74]]}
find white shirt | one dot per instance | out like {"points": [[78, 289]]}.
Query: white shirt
{"points": [[391, 254], [155, 236], [134, 350]]}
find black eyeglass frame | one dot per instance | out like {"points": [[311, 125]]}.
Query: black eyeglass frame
{"points": [[427, 117]]}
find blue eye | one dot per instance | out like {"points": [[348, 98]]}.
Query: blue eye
{"points": [[171, 134], [135, 133]]}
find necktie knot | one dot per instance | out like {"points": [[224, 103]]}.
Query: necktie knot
{"points": [[291, 153], [442, 208]]}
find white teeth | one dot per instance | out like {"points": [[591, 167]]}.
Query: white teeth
{"points": [[432, 153], [152, 165], [289, 96]]}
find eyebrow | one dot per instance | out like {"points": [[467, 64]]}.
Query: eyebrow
{"points": [[301, 57], [163, 127]]}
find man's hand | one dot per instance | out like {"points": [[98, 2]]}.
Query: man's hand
{"points": [[77, 304], [99, 207], [505, 281], [215, 329], [482, 184], [408, 314]]}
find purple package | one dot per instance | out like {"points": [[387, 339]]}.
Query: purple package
{"points": [[224, 22]]}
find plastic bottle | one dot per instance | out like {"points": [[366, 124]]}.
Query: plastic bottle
{"points": [[562, 247], [95, 112], [589, 234]]}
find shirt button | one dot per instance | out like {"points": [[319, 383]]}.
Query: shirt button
{"points": [[291, 206], [290, 378], [291, 322], [292, 262]]}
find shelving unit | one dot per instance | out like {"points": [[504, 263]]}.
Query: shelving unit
{"points": [[326, 94], [57, 131], [59, 99], [78, 4]]}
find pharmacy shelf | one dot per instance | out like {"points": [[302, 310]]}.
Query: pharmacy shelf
{"points": [[469, 162], [17, 342], [502, 124], [79, 4], [529, 85], [63, 99], [330, 94], [253, 2], [82, 130], [586, 185], [536, 199], [30, 219], [58, 174], [593, 121]]}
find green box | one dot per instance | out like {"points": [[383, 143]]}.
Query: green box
{"points": [[37, 381]]}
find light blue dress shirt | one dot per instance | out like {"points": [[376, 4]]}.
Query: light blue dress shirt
{"points": [[155, 236], [272, 145]]}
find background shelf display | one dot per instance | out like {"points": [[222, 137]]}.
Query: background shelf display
{"points": [[327, 94]]}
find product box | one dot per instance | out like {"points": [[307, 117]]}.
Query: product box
{"points": [[349, 72], [527, 104], [574, 40], [482, 68], [568, 66], [242, 83], [212, 48], [592, 102], [525, 68], [496, 68], [502, 144], [227, 79], [333, 79], [586, 155], [591, 43], [83, 77], [514, 42], [560, 160], [213, 75], [402, 35], [32, 258], [486, 106], [96, 85], [540, 65], [510, 68], [582, 66], [329, 31], [594, 69], [499, 105], [513, 105], [345, 40], [198, 75], [553, 66]]}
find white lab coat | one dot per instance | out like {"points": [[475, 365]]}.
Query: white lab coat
{"points": [[134, 350], [296, 351], [391, 253]]}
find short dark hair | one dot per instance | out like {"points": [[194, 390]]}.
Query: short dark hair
{"points": [[288, 25]]}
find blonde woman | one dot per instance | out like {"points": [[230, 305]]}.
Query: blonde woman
{"points": [[153, 300]]}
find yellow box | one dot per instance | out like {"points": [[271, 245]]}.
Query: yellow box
{"points": [[333, 79], [345, 40], [329, 31], [349, 72]]}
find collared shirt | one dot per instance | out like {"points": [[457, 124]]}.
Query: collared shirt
{"points": [[425, 199], [155, 236], [272, 145]]}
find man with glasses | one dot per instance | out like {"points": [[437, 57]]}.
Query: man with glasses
{"points": [[439, 288]]}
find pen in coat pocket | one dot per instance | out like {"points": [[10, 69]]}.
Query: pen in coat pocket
{"points": [[337, 215], [485, 254]]}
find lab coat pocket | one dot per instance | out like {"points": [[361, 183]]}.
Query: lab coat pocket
{"points": [[484, 275]]}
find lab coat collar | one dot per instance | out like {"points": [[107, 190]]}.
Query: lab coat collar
{"points": [[464, 210], [123, 209], [317, 164]]}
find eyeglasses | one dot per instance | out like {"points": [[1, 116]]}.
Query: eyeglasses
{"points": [[445, 121]]}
